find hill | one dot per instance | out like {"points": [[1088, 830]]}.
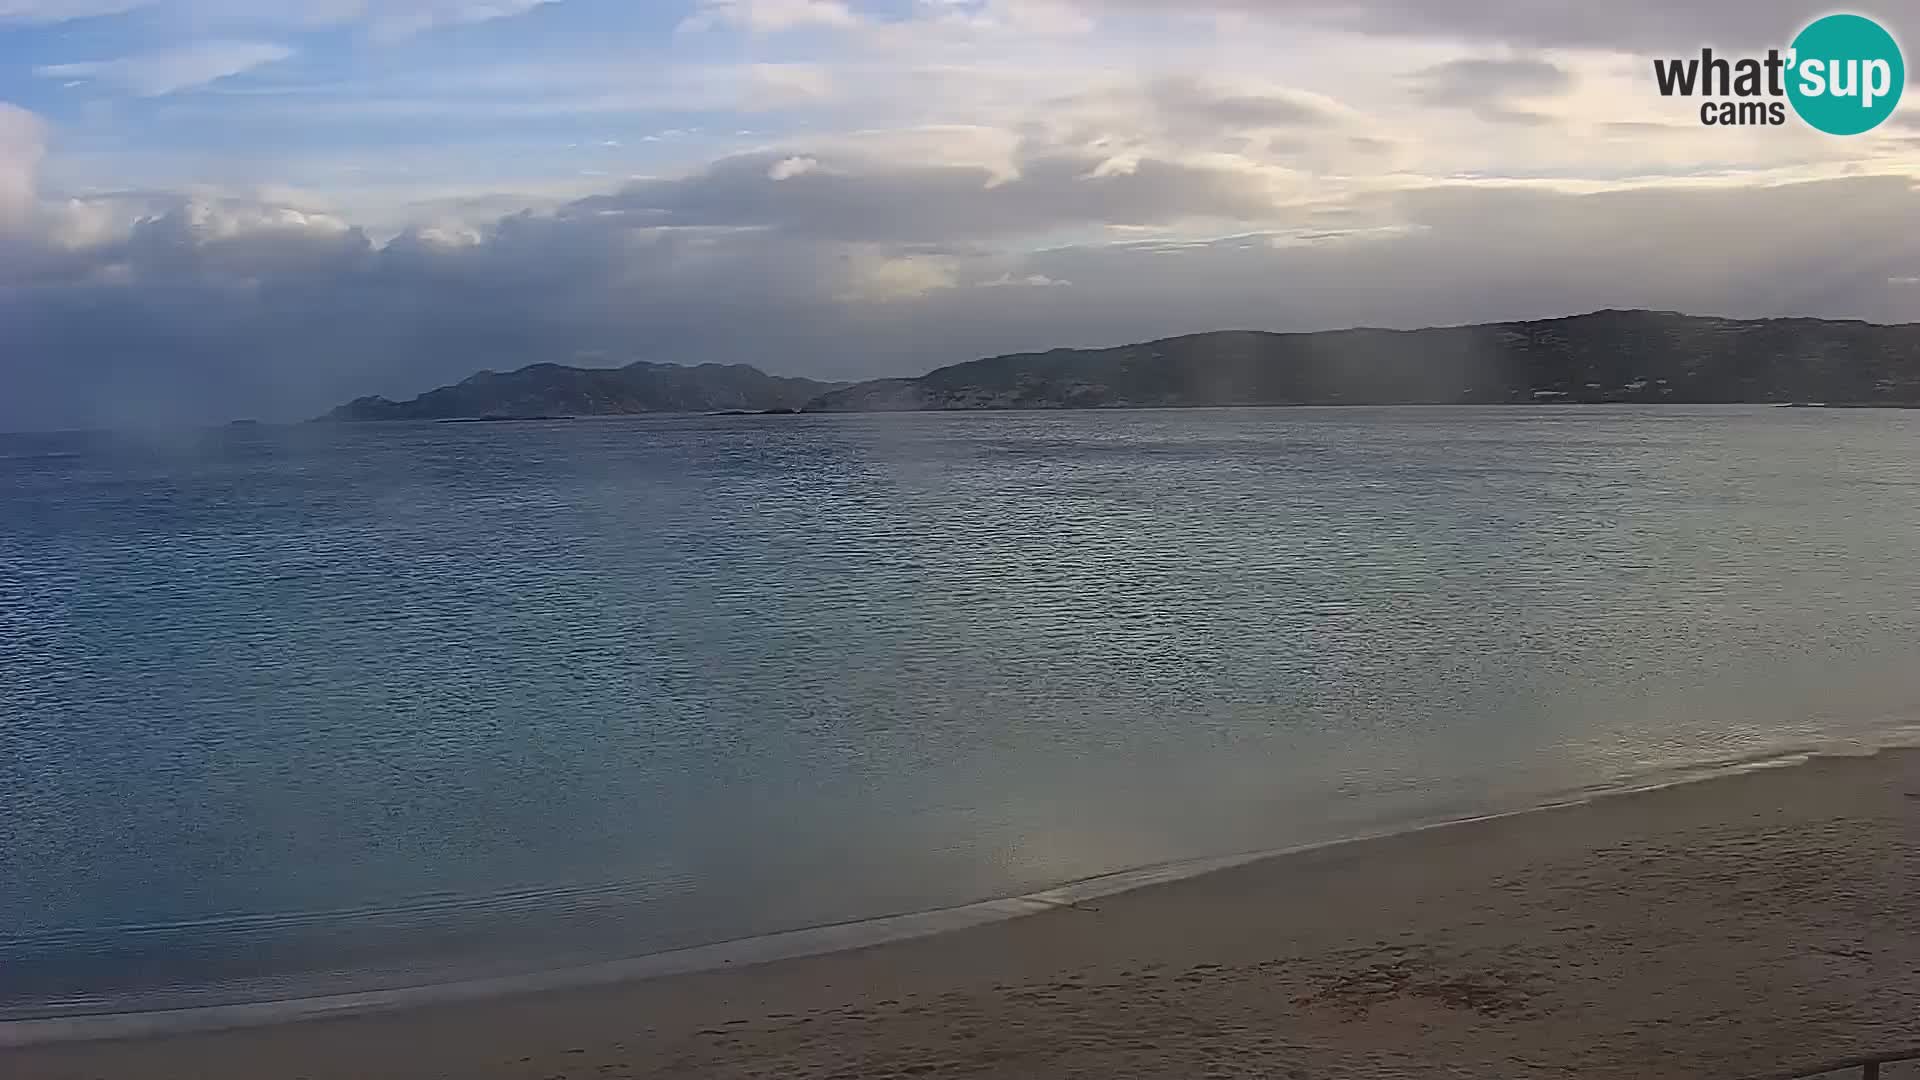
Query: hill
{"points": [[559, 390], [1605, 356]]}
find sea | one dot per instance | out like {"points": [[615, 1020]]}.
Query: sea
{"points": [[322, 713]]}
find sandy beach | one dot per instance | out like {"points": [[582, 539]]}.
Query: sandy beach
{"points": [[1744, 926]]}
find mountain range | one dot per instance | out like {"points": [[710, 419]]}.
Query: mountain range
{"points": [[1604, 356]]}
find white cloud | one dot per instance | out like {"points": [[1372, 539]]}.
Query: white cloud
{"points": [[1024, 16], [778, 86], [441, 236], [771, 16], [1024, 281], [393, 20], [1635, 24], [877, 278], [55, 11], [788, 168], [22, 144], [227, 220], [158, 73], [82, 224], [385, 20], [1493, 88]]}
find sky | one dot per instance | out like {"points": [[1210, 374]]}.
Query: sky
{"points": [[261, 208]]}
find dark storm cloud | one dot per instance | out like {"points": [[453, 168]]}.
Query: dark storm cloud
{"points": [[191, 318], [178, 323]]}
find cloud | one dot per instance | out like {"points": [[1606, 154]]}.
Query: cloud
{"points": [[208, 310], [1052, 17], [385, 20], [1215, 122], [22, 144], [393, 20], [57, 11], [867, 201], [1490, 87], [788, 168], [770, 16], [1636, 25], [779, 86], [873, 277], [1189, 100], [876, 187], [155, 74], [1025, 281], [1476, 80]]}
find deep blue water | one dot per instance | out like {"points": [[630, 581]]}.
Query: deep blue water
{"points": [[291, 711]]}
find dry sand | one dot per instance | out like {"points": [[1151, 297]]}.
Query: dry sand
{"points": [[1743, 926]]}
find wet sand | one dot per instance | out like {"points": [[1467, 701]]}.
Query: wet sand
{"points": [[1739, 927]]}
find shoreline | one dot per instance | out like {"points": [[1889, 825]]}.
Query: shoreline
{"points": [[215, 427], [829, 938], [1221, 915]]}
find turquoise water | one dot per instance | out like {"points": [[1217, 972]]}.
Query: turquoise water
{"points": [[287, 712]]}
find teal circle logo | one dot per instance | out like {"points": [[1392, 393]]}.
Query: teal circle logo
{"points": [[1846, 74]]}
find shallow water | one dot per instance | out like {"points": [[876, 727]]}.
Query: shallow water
{"points": [[288, 712]]}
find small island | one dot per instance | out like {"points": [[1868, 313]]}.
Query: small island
{"points": [[561, 392]]}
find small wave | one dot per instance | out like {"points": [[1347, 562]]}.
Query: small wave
{"points": [[863, 933], [426, 908]]}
